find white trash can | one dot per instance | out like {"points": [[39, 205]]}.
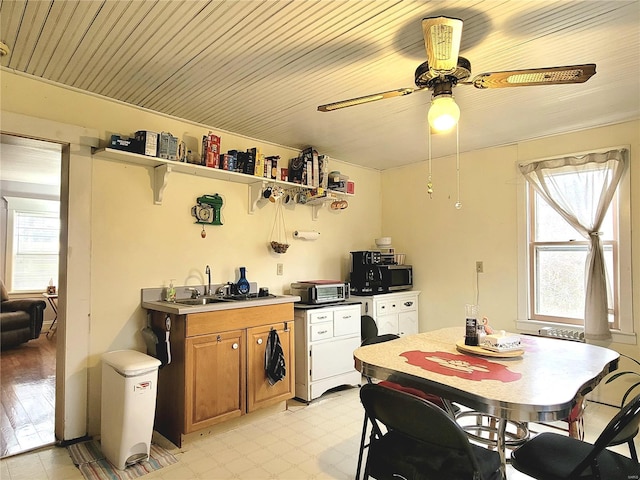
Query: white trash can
{"points": [[129, 385]]}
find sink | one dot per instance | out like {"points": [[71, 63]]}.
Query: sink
{"points": [[241, 298], [200, 301], [228, 298]]}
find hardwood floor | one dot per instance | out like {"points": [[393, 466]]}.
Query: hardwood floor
{"points": [[28, 394]]}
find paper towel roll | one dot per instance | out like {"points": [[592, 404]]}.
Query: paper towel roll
{"points": [[311, 235]]}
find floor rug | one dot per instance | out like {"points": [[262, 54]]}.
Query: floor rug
{"points": [[88, 457]]}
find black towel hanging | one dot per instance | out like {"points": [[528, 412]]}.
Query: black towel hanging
{"points": [[274, 363]]}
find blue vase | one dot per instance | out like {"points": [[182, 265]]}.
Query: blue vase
{"points": [[243, 284]]}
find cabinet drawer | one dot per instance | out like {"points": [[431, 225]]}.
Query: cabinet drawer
{"points": [[386, 307], [321, 315], [397, 305], [407, 304], [320, 331], [346, 321]]}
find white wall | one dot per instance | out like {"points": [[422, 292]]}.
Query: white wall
{"points": [[443, 243], [136, 244]]}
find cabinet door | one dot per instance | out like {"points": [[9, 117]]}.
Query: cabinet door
{"points": [[333, 357], [215, 379], [387, 324], [407, 323], [260, 393]]}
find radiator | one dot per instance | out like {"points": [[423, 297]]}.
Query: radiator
{"points": [[563, 333]]}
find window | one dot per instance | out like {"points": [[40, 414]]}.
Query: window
{"points": [[33, 244], [552, 254], [557, 256]]}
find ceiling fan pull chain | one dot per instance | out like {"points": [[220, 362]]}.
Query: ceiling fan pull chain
{"points": [[429, 182], [458, 203]]}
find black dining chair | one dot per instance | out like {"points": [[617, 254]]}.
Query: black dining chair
{"points": [[626, 436], [369, 332], [551, 456], [369, 336], [412, 438]]}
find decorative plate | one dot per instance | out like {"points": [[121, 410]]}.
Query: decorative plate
{"points": [[483, 352]]}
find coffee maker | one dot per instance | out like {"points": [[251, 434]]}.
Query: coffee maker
{"points": [[366, 276]]}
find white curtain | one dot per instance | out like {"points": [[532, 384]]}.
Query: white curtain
{"points": [[598, 175]]}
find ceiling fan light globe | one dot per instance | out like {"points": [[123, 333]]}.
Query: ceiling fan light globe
{"points": [[443, 114]]}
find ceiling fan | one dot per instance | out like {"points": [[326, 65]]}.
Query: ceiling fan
{"points": [[444, 69]]}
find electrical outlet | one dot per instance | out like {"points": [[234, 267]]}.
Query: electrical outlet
{"points": [[479, 267], [280, 269]]}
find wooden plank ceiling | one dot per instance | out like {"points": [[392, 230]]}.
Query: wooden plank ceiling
{"points": [[260, 68]]}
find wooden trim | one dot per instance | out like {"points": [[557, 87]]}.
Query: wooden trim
{"points": [[224, 320], [171, 381]]}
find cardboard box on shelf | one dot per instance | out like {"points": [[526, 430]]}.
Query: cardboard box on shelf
{"points": [[211, 150], [351, 187], [168, 146], [310, 159], [296, 170], [323, 171], [273, 163], [250, 165], [148, 142], [124, 143], [259, 166], [338, 182]]}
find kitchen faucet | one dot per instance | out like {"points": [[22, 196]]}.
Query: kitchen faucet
{"points": [[208, 272]]}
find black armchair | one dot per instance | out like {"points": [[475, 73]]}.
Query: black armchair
{"points": [[20, 319]]}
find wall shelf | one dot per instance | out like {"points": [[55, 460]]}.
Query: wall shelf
{"points": [[163, 168]]}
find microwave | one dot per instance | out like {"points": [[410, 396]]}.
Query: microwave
{"points": [[396, 277], [375, 279], [320, 291]]}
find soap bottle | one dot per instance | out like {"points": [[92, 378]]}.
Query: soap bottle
{"points": [[243, 284], [171, 292]]}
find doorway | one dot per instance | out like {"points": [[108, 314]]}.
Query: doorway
{"points": [[29, 169]]}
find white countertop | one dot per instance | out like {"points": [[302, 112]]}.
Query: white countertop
{"points": [[178, 309]]}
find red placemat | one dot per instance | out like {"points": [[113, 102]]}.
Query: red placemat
{"points": [[462, 366]]}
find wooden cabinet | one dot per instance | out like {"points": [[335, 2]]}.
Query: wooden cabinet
{"points": [[217, 371], [395, 313], [326, 338], [215, 378], [260, 392]]}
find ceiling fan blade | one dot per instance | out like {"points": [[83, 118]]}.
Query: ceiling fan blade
{"points": [[366, 99], [442, 40], [535, 76]]}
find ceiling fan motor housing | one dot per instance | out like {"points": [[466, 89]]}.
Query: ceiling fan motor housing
{"points": [[427, 78]]}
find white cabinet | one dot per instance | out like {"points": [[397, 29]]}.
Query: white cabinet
{"points": [[395, 313], [325, 340]]}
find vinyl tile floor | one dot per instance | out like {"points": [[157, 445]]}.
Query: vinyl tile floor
{"points": [[315, 441]]}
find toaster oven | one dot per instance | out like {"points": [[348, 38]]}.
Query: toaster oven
{"points": [[320, 291]]}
